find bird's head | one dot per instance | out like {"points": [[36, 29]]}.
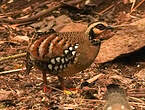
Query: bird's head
{"points": [[94, 31]]}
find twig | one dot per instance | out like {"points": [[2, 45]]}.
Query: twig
{"points": [[42, 13], [73, 2], [25, 9], [124, 25], [12, 71], [136, 99], [137, 90], [138, 104], [12, 57], [55, 88], [22, 20], [133, 4], [94, 100], [22, 69], [95, 78], [137, 94], [108, 8], [133, 9]]}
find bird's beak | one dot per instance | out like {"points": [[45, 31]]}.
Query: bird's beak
{"points": [[107, 33], [110, 28]]}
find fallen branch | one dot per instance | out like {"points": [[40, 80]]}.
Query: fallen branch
{"points": [[12, 71], [22, 20], [22, 69], [42, 13], [134, 8], [137, 94], [141, 105], [136, 99], [95, 78], [12, 57], [108, 8]]}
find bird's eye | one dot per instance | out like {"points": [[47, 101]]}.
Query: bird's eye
{"points": [[100, 26]]}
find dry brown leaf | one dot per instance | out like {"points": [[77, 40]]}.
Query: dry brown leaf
{"points": [[20, 38], [4, 95]]}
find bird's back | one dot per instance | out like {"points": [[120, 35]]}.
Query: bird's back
{"points": [[63, 53]]}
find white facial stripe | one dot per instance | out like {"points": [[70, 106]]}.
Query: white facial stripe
{"points": [[93, 25]]}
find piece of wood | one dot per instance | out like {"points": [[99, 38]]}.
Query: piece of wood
{"points": [[12, 57]]}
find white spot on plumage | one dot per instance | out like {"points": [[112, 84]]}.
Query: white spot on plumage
{"points": [[70, 48], [61, 66], [66, 51], [56, 68], [66, 59], [52, 61], [73, 53], [64, 66], [58, 59], [76, 46], [50, 66], [62, 60]]}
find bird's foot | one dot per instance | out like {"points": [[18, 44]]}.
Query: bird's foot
{"points": [[71, 91], [46, 89]]}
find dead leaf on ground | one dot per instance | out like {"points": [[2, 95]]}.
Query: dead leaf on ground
{"points": [[20, 38], [4, 95], [140, 75], [127, 40]]}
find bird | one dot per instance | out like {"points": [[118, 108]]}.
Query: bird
{"points": [[63, 54], [116, 98]]}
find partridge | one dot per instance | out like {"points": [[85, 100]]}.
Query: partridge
{"points": [[116, 99], [64, 54]]}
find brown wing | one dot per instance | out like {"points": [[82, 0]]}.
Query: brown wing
{"points": [[53, 45], [53, 53]]}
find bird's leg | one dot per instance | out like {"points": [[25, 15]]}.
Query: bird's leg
{"points": [[61, 82], [63, 86], [45, 89]]}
